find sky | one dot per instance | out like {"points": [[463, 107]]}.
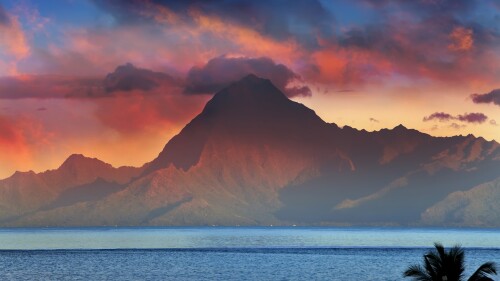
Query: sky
{"points": [[117, 79]]}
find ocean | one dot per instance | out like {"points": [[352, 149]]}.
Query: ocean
{"points": [[230, 253]]}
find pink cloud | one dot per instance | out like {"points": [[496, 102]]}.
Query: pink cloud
{"points": [[14, 44]]}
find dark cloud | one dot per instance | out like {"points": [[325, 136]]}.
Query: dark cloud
{"points": [[49, 86], [440, 116], [374, 120], [427, 7], [125, 78], [491, 97], [221, 71], [466, 117], [128, 77], [433, 40], [4, 18], [472, 117], [67, 62], [305, 19]]}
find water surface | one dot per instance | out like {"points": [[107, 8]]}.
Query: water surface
{"points": [[229, 253]]}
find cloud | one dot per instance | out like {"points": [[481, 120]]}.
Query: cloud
{"points": [[4, 18], [136, 111], [491, 97], [457, 126], [493, 122], [129, 101], [14, 44], [440, 116], [472, 117], [49, 86], [219, 72], [466, 117], [462, 39], [420, 39], [20, 138], [374, 120], [10, 133], [305, 20], [128, 77], [427, 7]]}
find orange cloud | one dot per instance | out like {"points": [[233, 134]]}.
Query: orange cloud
{"points": [[173, 42], [462, 39], [21, 137], [159, 13], [137, 112], [347, 67], [248, 41]]}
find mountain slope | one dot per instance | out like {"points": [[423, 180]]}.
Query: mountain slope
{"points": [[254, 157], [475, 207], [26, 192]]}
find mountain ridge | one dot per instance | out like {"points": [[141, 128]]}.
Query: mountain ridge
{"points": [[254, 157]]}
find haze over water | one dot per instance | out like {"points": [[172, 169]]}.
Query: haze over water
{"points": [[231, 253]]}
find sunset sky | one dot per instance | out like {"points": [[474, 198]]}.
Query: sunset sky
{"points": [[117, 79]]}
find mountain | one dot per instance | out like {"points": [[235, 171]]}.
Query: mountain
{"points": [[254, 157], [27, 192], [475, 207]]}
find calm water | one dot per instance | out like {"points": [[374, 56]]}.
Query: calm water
{"points": [[220, 253]]}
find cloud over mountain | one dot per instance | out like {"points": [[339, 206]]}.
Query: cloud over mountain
{"points": [[219, 72]]}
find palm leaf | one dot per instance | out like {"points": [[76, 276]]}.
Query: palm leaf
{"points": [[484, 272], [439, 264], [418, 273]]}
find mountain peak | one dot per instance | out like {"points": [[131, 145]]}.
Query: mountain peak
{"points": [[252, 78], [254, 85], [75, 160], [248, 95], [76, 157], [400, 127], [249, 109]]}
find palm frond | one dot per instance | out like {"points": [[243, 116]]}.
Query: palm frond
{"points": [[439, 263], [455, 263], [418, 273], [440, 249], [484, 272]]}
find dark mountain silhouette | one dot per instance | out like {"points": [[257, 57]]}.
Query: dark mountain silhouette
{"points": [[254, 157]]}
